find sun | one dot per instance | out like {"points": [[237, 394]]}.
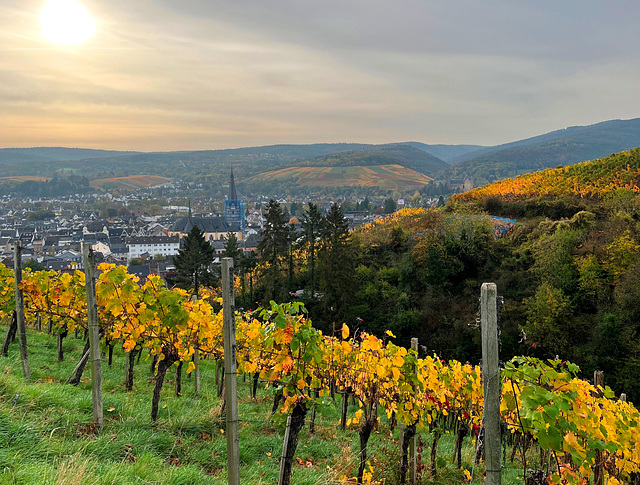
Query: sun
{"points": [[66, 22]]}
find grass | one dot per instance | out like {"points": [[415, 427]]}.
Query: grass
{"points": [[47, 435]]}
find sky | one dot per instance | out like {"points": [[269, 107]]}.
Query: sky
{"points": [[206, 74]]}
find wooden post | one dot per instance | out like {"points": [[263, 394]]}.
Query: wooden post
{"points": [[11, 330], [491, 382], [22, 330], [413, 462], [94, 333], [196, 361], [285, 442], [598, 381], [598, 469], [231, 384]]}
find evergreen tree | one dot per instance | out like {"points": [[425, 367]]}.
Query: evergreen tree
{"points": [[192, 262], [311, 224], [248, 265], [232, 249], [273, 245], [389, 206], [336, 263]]}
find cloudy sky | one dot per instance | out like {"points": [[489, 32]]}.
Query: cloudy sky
{"points": [[205, 74]]}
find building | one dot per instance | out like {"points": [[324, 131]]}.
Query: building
{"points": [[233, 206], [213, 228], [152, 245]]}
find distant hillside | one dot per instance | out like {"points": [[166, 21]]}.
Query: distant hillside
{"points": [[404, 155], [211, 167], [587, 180], [563, 147], [131, 182], [448, 153], [387, 177], [41, 154]]}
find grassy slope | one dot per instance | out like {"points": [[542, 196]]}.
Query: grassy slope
{"points": [[592, 179], [47, 437], [130, 182], [385, 176]]}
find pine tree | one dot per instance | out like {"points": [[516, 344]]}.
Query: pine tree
{"points": [[273, 245], [311, 225], [232, 249], [336, 258], [192, 262]]}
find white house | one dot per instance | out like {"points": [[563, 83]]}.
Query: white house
{"points": [[152, 245]]}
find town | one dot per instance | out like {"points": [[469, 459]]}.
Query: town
{"points": [[133, 229]]}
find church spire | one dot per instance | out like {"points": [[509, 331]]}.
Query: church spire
{"points": [[232, 188], [189, 208]]}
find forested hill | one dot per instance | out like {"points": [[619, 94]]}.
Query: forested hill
{"points": [[401, 154], [51, 154], [448, 153], [562, 147], [212, 166], [595, 179]]}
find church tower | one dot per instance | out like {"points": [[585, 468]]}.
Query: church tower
{"points": [[233, 206]]}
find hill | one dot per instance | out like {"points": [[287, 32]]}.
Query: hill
{"points": [[43, 154], [387, 177], [562, 147], [595, 179], [131, 182], [405, 155], [448, 153]]}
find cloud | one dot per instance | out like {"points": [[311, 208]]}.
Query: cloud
{"points": [[211, 74]]}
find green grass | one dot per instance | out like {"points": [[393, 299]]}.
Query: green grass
{"points": [[47, 436]]}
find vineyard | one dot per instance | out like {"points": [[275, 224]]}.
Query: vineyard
{"points": [[582, 431], [594, 179]]}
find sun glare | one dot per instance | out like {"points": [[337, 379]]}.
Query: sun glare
{"points": [[66, 22]]}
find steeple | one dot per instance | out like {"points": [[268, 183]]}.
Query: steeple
{"points": [[233, 206], [189, 208], [232, 188]]}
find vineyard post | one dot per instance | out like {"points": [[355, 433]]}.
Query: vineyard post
{"points": [[491, 381], [22, 331], [231, 381], [88, 262], [412, 443], [196, 359], [285, 442], [598, 469]]}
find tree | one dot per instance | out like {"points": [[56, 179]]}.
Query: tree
{"points": [[548, 312], [295, 209], [34, 265], [193, 260], [389, 206], [336, 271], [311, 224], [232, 249], [273, 245], [248, 265]]}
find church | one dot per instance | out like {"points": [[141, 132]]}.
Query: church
{"points": [[216, 228]]}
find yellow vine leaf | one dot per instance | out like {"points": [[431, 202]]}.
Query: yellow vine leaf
{"points": [[345, 331]]}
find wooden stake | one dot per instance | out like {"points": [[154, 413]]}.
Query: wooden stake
{"points": [[94, 333], [598, 469], [491, 382], [231, 380], [196, 362], [412, 443], [22, 331], [11, 330]]}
